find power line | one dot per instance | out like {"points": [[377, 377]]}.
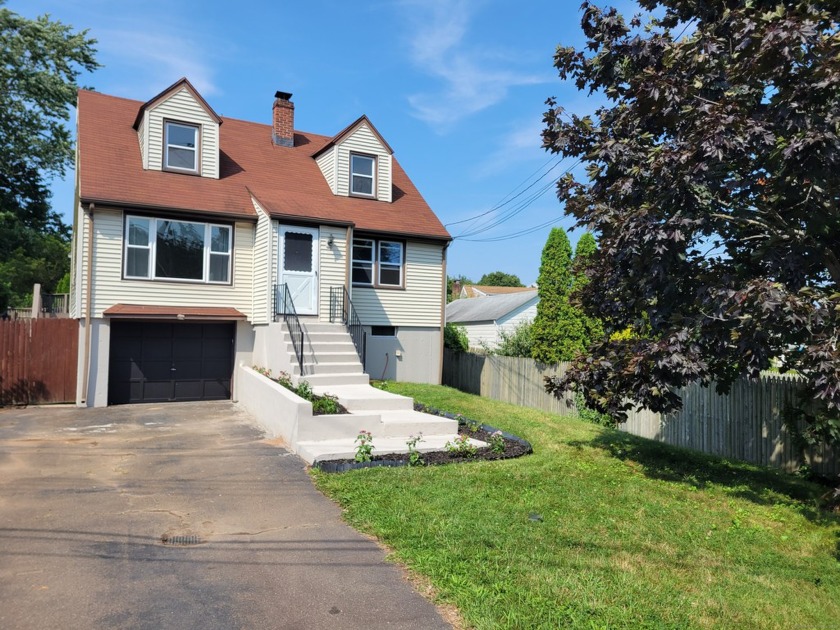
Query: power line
{"points": [[507, 237]]}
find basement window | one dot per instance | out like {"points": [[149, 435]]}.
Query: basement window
{"points": [[383, 331]]}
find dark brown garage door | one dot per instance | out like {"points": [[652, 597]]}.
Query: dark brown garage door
{"points": [[156, 362]]}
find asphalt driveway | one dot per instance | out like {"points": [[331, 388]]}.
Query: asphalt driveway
{"points": [[178, 516]]}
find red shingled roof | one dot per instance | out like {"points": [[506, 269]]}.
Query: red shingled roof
{"points": [[286, 181]]}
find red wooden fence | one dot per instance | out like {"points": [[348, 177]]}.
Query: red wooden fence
{"points": [[38, 361]]}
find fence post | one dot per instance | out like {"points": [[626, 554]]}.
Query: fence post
{"points": [[36, 301]]}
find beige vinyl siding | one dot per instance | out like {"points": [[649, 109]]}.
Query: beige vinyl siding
{"points": [[110, 288], [419, 304], [182, 107], [333, 266], [78, 289], [363, 140], [326, 162], [262, 268]]}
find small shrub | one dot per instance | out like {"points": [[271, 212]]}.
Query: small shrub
{"points": [[516, 343], [414, 456], [590, 415], [304, 390], [497, 442], [325, 404], [461, 447], [455, 338], [364, 450]]}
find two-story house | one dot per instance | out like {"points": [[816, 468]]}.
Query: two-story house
{"points": [[198, 238]]}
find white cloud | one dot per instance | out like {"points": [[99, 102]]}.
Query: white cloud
{"points": [[158, 58], [523, 143], [471, 78]]}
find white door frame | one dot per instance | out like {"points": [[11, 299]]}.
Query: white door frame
{"points": [[303, 285]]}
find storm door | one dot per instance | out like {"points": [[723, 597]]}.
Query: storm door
{"points": [[298, 266]]}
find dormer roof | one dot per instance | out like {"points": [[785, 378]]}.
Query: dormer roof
{"points": [[183, 82], [348, 130]]}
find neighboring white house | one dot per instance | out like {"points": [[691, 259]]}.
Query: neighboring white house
{"points": [[189, 227], [484, 318]]}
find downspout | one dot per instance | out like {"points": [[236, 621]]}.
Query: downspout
{"points": [[444, 293], [88, 301], [348, 249]]}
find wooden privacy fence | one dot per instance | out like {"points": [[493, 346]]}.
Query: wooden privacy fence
{"points": [[38, 361], [746, 424]]}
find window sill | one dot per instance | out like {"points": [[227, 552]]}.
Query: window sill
{"points": [[384, 287], [178, 281]]}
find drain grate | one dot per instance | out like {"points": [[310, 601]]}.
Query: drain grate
{"points": [[182, 541]]}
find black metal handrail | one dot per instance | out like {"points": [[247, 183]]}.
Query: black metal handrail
{"points": [[285, 306], [341, 309]]}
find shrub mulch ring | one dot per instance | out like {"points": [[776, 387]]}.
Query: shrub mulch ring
{"points": [[514, 447]]}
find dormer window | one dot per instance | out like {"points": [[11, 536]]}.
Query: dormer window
{"points": [[361, 175], [181, 147]]}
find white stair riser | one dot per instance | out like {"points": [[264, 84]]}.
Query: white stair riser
{"points": [[329, 368], [337, 379]]}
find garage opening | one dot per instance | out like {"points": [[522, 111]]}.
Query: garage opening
{"points": [[163, 362]]}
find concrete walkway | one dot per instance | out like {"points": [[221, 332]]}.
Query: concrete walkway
{"points": [[88, 495]]}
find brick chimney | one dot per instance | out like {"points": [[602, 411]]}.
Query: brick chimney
{"points": [[283, 119]]}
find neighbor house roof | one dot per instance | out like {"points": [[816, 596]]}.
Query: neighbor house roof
{"points": [[481, 290], [286, 181], [487, 309]]}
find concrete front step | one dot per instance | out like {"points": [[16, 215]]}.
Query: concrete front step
{"points": [[311, 369], [329, 337], [324, 450], [363, 397], [388, 424], [328, 383]]}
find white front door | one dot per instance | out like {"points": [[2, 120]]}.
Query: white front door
{"points": [[299, 266]]}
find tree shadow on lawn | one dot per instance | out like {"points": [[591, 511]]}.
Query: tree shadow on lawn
{"points": [[764, 486]]}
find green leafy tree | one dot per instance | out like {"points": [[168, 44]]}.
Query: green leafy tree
{"points": [[500, 279], [713, 182], [561, 330], [40, 61]]}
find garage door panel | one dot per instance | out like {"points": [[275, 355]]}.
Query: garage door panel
{"points": [[216, 390], [157, 362], [186, 370]]}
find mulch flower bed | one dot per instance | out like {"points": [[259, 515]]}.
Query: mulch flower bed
{"points": [[513, 447]]}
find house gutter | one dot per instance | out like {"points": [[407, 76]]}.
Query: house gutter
{"points": [[88, 301]]}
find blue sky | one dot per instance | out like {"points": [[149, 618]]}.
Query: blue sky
{"points": [[456, 87]]}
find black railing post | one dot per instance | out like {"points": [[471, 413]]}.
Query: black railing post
{"points": [[283, 300]]}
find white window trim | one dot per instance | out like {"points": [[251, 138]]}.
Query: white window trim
{"points": [[372, 176], [166, 145], [376, 276], [380, 264], [152, 247]]}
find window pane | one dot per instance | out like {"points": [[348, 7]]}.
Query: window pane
{"points": [[362, 250], [180, 250], [138, 231], [181, 158], [219, 267], [390, 253], [362, 185], [137, 264], [219, 239], [181, 135], [362, 273], [362, 165], [298, 252], [390, 275]]}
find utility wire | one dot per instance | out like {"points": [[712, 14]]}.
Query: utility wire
{"points": [[504, 201]]}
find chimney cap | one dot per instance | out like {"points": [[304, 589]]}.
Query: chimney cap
{"points": [[283, 95]]}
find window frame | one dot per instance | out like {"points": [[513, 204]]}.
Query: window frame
{"points": [[372, 176], [151, 247], [376, 263], [196, 149]]}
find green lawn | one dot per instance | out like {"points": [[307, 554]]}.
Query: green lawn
{"points": [[598, 529]]}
